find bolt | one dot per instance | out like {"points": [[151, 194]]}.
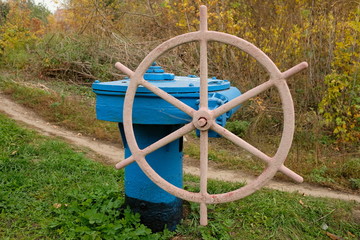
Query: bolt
{"points": [[202, 122], [142, 206]]}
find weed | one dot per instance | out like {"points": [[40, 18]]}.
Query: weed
{"points": [[319, 175], [354, 183], [238, 127], [98, 214], [351, 168]]}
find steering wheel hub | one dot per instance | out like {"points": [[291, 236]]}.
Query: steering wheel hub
{"points": [[202, 119]]}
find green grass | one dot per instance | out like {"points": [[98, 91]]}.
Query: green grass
{"points": [[50, 190], [269, 214]]}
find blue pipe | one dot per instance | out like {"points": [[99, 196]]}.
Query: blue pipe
{"points": [[158, 209]]}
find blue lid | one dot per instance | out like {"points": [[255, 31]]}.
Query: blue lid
{"points": [[179, 84], [166, 81]]}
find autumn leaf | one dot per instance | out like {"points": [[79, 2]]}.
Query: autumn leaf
{"points": [[333, 236]]}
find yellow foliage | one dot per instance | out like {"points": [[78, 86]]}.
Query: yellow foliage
{"points": [[340, 105], [19, 29], [88, 16]]}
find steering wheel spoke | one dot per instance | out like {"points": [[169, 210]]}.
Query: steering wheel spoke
{"points": [[242, 98], [125, 162], [253, 150], [297, 68], [169, 138], [167, 97], [158, 144], [204, 149], [159, 92]]}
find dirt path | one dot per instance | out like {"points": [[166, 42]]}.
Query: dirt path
{"points": [[111, 154]]}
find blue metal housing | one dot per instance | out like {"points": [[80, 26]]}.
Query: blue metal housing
{"points": [[148, 108], [153, 119]]}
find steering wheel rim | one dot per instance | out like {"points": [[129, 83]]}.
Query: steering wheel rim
{"points": [[275, 75], [277, 79]]}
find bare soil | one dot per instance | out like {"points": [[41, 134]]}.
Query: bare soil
{"points": [[110, 153]]}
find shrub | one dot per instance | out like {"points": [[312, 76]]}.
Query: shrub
{"points": [[238, 127], [351, 169], [19, 31], [340, 105]]}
